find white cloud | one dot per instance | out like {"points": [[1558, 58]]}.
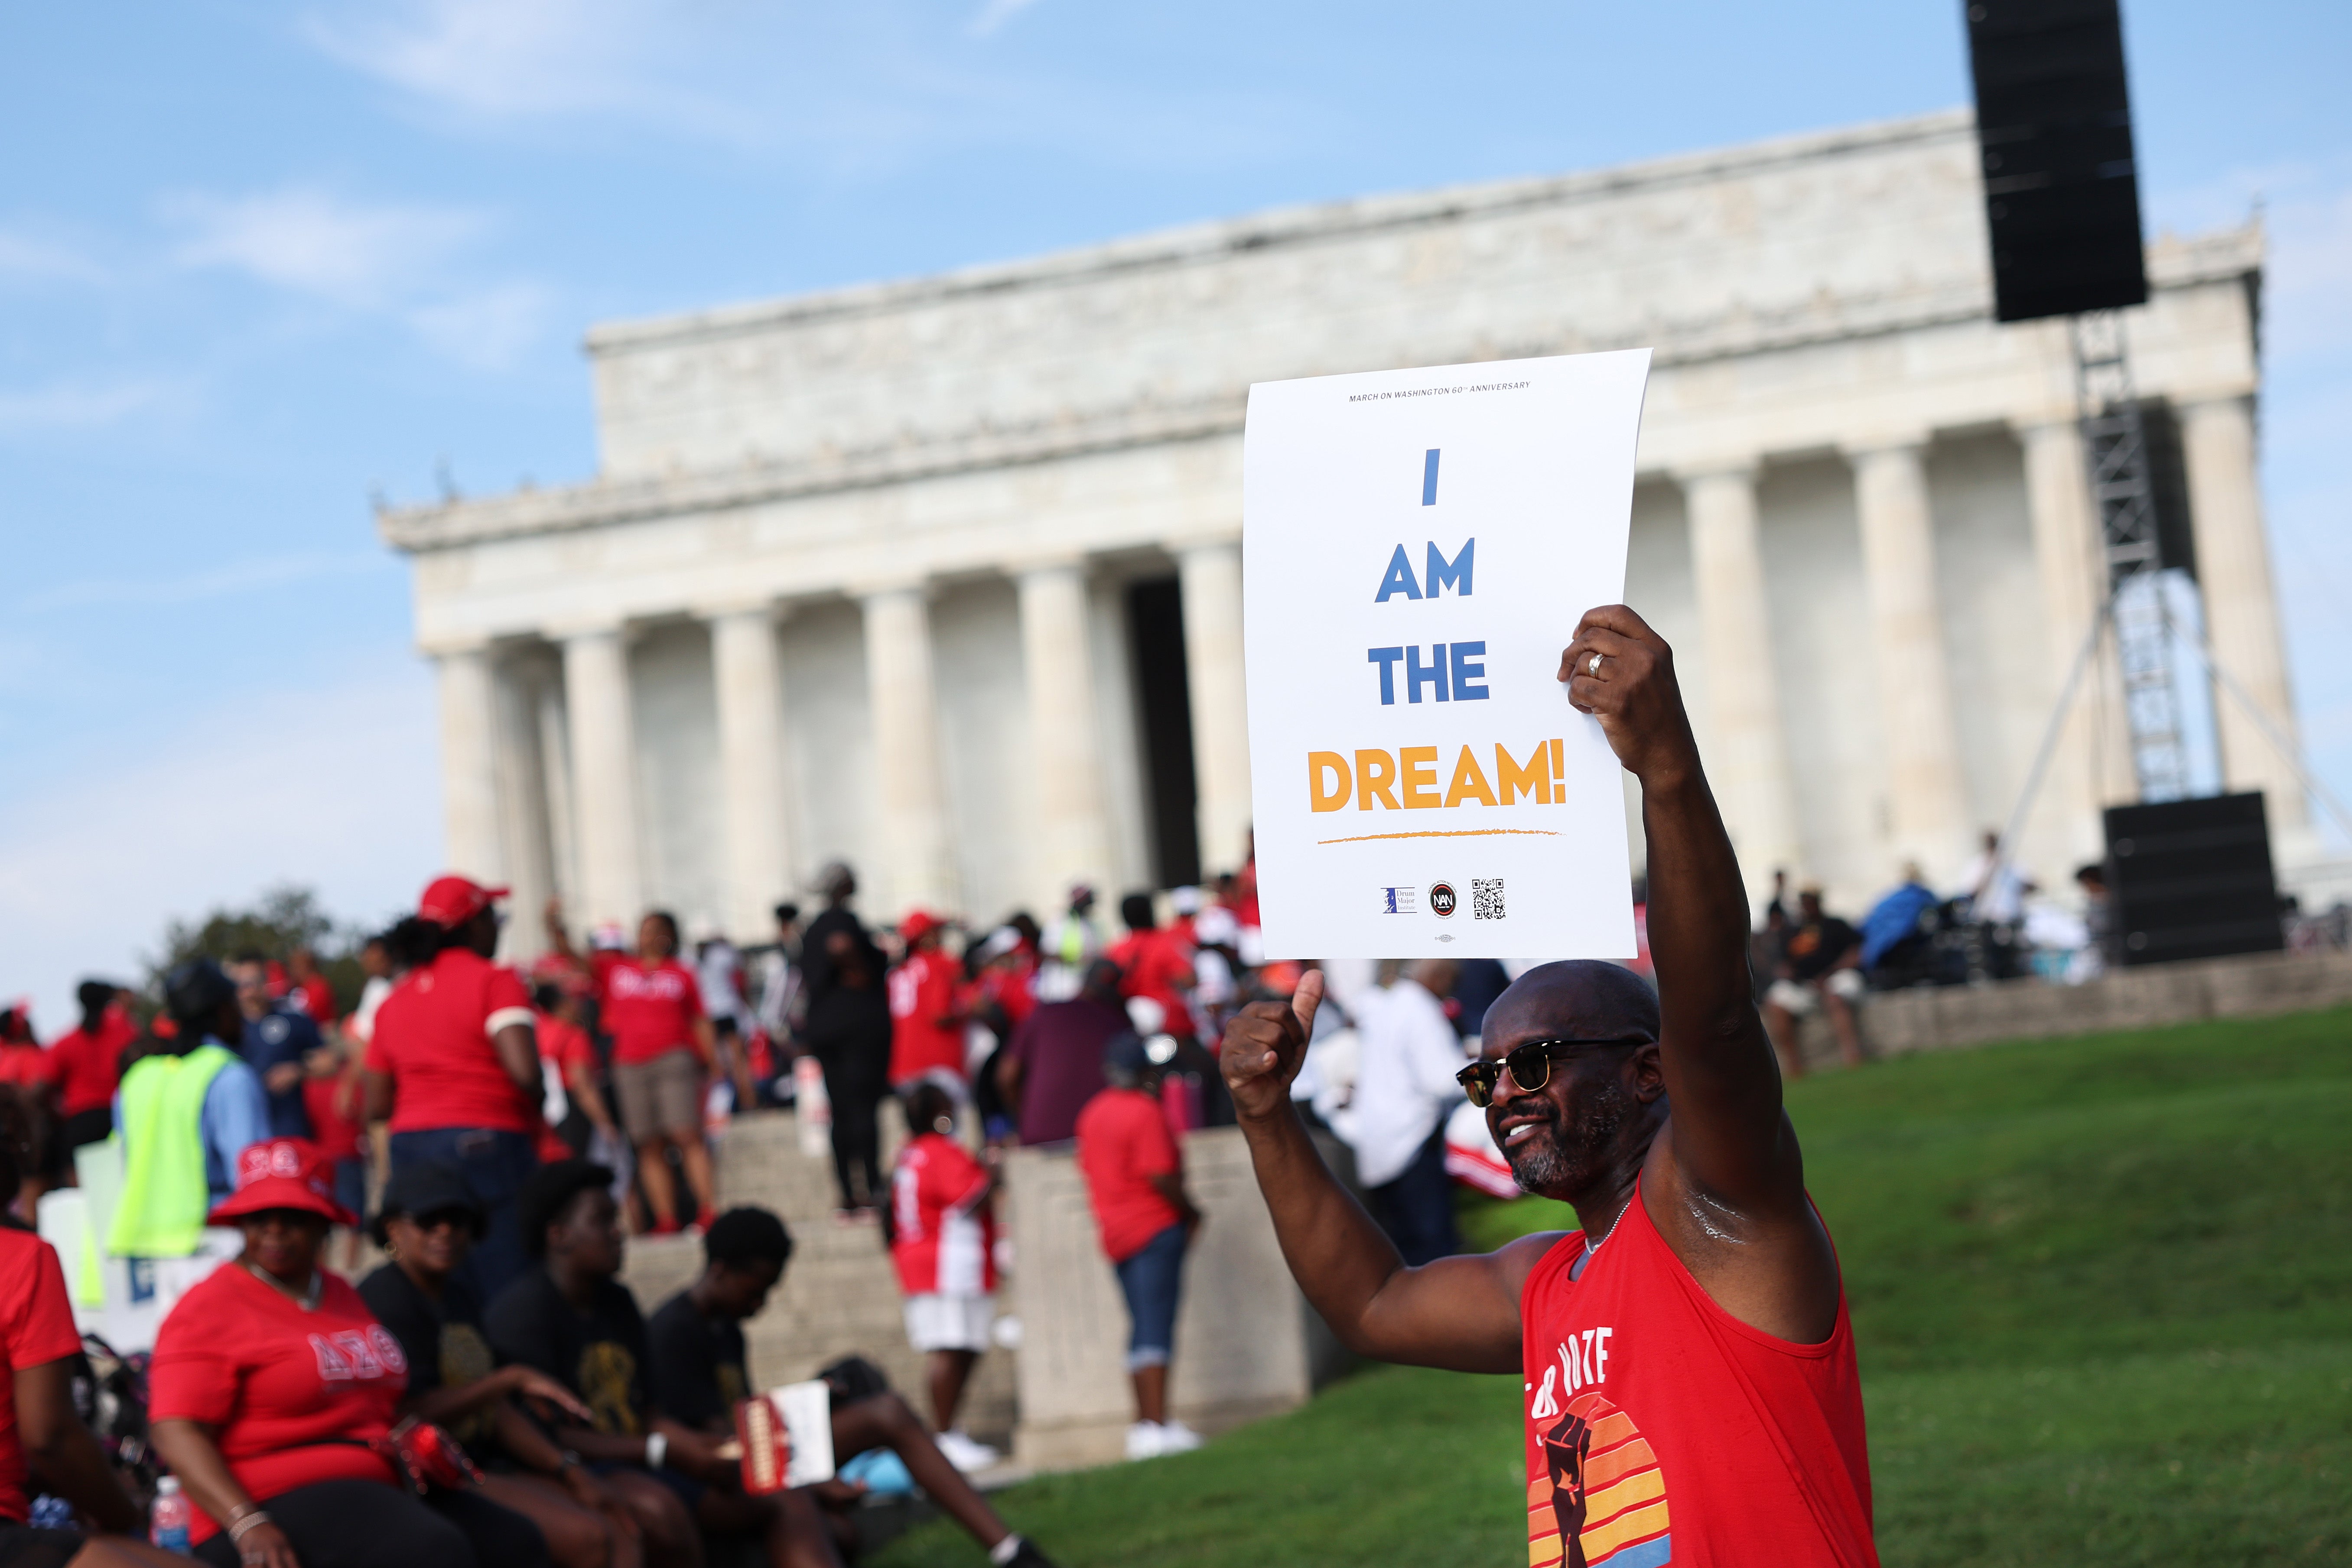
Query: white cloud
{"points": [[995, 14], [94, 865], [488, 329], [315, 242], [78, 404], [221, 582], [408, 261], [26, 255], [511, 59]]}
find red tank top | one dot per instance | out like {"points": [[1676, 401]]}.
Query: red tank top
{"points": [[1662, 1429]]}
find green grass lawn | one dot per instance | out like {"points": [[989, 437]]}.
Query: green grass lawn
{"points": [[2102, 1288]]}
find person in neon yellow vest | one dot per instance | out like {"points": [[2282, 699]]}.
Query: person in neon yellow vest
{"points": [[186, 1114]]}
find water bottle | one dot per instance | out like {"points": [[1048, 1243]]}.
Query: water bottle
{"points": [[168, 1524]]}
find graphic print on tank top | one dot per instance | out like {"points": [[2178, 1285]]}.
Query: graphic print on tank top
{"points": [[1602, 1500]]}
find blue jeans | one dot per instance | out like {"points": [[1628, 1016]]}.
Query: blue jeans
{"points": [[494, 1165], [1152, 1280], [1417, 1208]]}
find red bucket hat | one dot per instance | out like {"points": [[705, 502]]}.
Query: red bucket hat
{"points": [[282, 1174], [452, 901]]}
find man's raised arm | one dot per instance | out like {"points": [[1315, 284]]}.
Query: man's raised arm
{"points": [[1461, 1313], [1728, 1169]]}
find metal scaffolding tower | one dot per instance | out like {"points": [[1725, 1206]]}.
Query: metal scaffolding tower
{"points": [[2114, 447]]}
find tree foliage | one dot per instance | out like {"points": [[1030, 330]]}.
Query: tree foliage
{"points": [[282, 919]]}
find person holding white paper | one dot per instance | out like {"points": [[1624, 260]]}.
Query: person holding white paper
{"points": [[700, 1369], [1690, 1395]]}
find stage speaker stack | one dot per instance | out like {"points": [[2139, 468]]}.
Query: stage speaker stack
{"points": [[2191, 879], [2054, 126]]}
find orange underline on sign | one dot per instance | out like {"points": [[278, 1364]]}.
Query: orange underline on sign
{"points": [[1442, 833]]}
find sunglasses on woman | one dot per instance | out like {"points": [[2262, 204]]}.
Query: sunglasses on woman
{"points": [[1529, 1066]]}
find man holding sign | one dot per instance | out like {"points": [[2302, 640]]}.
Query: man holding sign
{"points": [[1690, 1394]]}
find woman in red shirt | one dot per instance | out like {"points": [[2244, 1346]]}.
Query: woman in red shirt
{"points": [[39, 1347], [452, 1064], [89, 1061], [273, 1383], [664, 1048]]}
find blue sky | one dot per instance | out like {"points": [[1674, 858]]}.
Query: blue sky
{"points": [[258, 261]]}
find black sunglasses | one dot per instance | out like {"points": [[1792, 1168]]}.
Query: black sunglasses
{"points": [[1529, 1064]]}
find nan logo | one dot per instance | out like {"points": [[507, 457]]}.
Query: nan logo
{"points": [[1441, 899], [1399, 901]]}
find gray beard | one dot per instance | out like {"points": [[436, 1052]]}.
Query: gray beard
{"points": [[1558, 1162]]}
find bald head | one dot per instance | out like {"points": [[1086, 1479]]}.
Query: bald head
{"points": [[1581, 999]]}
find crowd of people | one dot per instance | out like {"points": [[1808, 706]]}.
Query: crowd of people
{"points": [[490, 1391]]}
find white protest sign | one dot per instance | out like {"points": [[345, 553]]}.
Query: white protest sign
{"points": [[1418, 546]]}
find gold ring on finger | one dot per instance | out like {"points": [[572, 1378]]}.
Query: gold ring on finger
{"points": [[1593, 666]]}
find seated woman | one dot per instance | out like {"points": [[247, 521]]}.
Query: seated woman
{"points": [[426, 1223], [271, 1387], [40, 1435]]}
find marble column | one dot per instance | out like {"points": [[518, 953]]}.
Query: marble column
{"points": [[1073, 819], [2092, 766], [1210, 579], [1927, 807], [903, 698], [522, 807], [604, 778], [469, 762], [1750, 771], [746, 667], [2241, 618], [555, 777]]}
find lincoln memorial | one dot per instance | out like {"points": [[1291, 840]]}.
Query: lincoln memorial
{"points": [[943, 576]]}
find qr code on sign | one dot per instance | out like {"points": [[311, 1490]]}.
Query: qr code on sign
{"points": [[1486, 900]]}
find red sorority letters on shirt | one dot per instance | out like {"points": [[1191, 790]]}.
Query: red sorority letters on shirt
{"points": [[286, 1388], [922, 991], [1662, 1429], [90, 1066], [36, 1327], [945, 1237], [1150, 963], [648, 1011], [433, 1037], [1123, 1143]]}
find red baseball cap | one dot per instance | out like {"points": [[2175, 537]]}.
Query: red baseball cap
{"points": [[452, 901], [282, 1174], [918, 924]]}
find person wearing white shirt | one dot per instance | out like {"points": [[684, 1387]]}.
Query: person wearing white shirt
{"points": [[1407, 1058]]}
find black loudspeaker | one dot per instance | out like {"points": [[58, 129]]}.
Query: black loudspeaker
{"points": [[2191, 879], [2053, 127]]}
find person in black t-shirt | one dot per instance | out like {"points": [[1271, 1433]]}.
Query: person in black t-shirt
{"points": [[701, 1373], [426, 1224], [1819, 968], [848, 1031], [573, 1319]]}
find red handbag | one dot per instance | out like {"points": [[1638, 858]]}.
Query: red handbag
{"points": [[426, 1457]]}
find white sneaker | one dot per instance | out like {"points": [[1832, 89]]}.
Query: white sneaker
{"points": [[1175, 1437], [965, 1454], [1143, 1440]]}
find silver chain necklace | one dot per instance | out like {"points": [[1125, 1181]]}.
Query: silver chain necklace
{"points": [[1592, 1247], [307, 1298]]}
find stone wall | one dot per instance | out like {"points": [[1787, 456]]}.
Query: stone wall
{"points": [[1939, 1019]]}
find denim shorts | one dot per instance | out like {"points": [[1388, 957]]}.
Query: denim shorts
{"points": [[1151, 1279]]}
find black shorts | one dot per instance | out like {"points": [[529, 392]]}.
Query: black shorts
{"points": [[22, 1546]]}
